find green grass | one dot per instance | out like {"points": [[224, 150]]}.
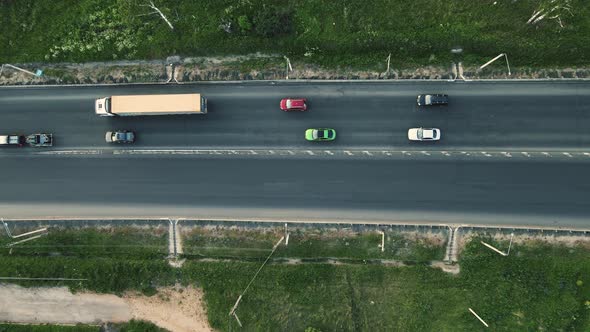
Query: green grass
{"points": [[398, 246], [47, 328], [112, 259], [139, 326], [308, 244], [121, 242], [537, 288], [354, 33], [131, 326]]}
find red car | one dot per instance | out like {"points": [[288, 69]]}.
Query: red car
{"points": [[291, 104]]}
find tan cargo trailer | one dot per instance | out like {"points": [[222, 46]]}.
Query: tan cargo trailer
{"points": [[192, 103]]}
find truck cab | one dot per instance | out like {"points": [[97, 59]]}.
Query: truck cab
{"points": [[12, 140], [102, 106]]}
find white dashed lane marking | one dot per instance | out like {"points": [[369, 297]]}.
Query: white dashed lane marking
{"points": [[361, 154]]}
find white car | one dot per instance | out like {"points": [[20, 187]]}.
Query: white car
{"points": [[423, 134]]}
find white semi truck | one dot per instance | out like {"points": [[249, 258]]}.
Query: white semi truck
{"points": [[132, 105], [12, 140], [32, 140]]}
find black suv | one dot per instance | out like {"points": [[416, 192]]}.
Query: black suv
{"points": [[432, 100]]}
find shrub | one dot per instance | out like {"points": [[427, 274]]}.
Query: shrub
{"points": [[273, 21], [244, 24]]}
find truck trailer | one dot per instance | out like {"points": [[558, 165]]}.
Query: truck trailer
{"points": [[133, 105]]}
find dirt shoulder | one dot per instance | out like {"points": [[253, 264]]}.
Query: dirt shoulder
{"points": [[249, 67]]}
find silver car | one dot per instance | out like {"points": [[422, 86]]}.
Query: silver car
{"points": [[120, 136]]}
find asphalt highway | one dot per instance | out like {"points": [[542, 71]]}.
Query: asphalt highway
{"points": [[546, 193], [552, 116], [376, 115]]}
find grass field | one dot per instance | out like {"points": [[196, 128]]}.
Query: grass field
{"points": [[538, 287], [47, 328], [113, 259], [311, 244], [132, 326], [354, 33], [118, 242]]}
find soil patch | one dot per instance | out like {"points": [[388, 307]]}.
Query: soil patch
{"points": [[57, 305], [178, 309]]}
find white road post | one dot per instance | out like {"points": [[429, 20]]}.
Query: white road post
{"points": [[496, 58], [286, 236], [494, 249], [388, 61], [382, 241], [235, 307], [510, 245], [17, 68], [289, 67], [507, 64], [40, 230], [477, 316]]}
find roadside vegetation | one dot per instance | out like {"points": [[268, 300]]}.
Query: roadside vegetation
{"points": [[47, 328], [311, 244], [353, 33], [131, 326], [113, 259], [537, 287]]}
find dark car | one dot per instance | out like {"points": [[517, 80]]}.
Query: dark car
{"points": [[432, 100], [40, 140], [120, 136]]}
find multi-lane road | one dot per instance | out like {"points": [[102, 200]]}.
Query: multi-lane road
{"points": [[513, 153]]}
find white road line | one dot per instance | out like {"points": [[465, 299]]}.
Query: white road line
{"points": [[316, 153]]}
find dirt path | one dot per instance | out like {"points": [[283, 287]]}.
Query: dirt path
{"points": [[59, 305], [178, 309]]}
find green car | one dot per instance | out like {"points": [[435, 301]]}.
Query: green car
{"points": [[320, 134]]}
